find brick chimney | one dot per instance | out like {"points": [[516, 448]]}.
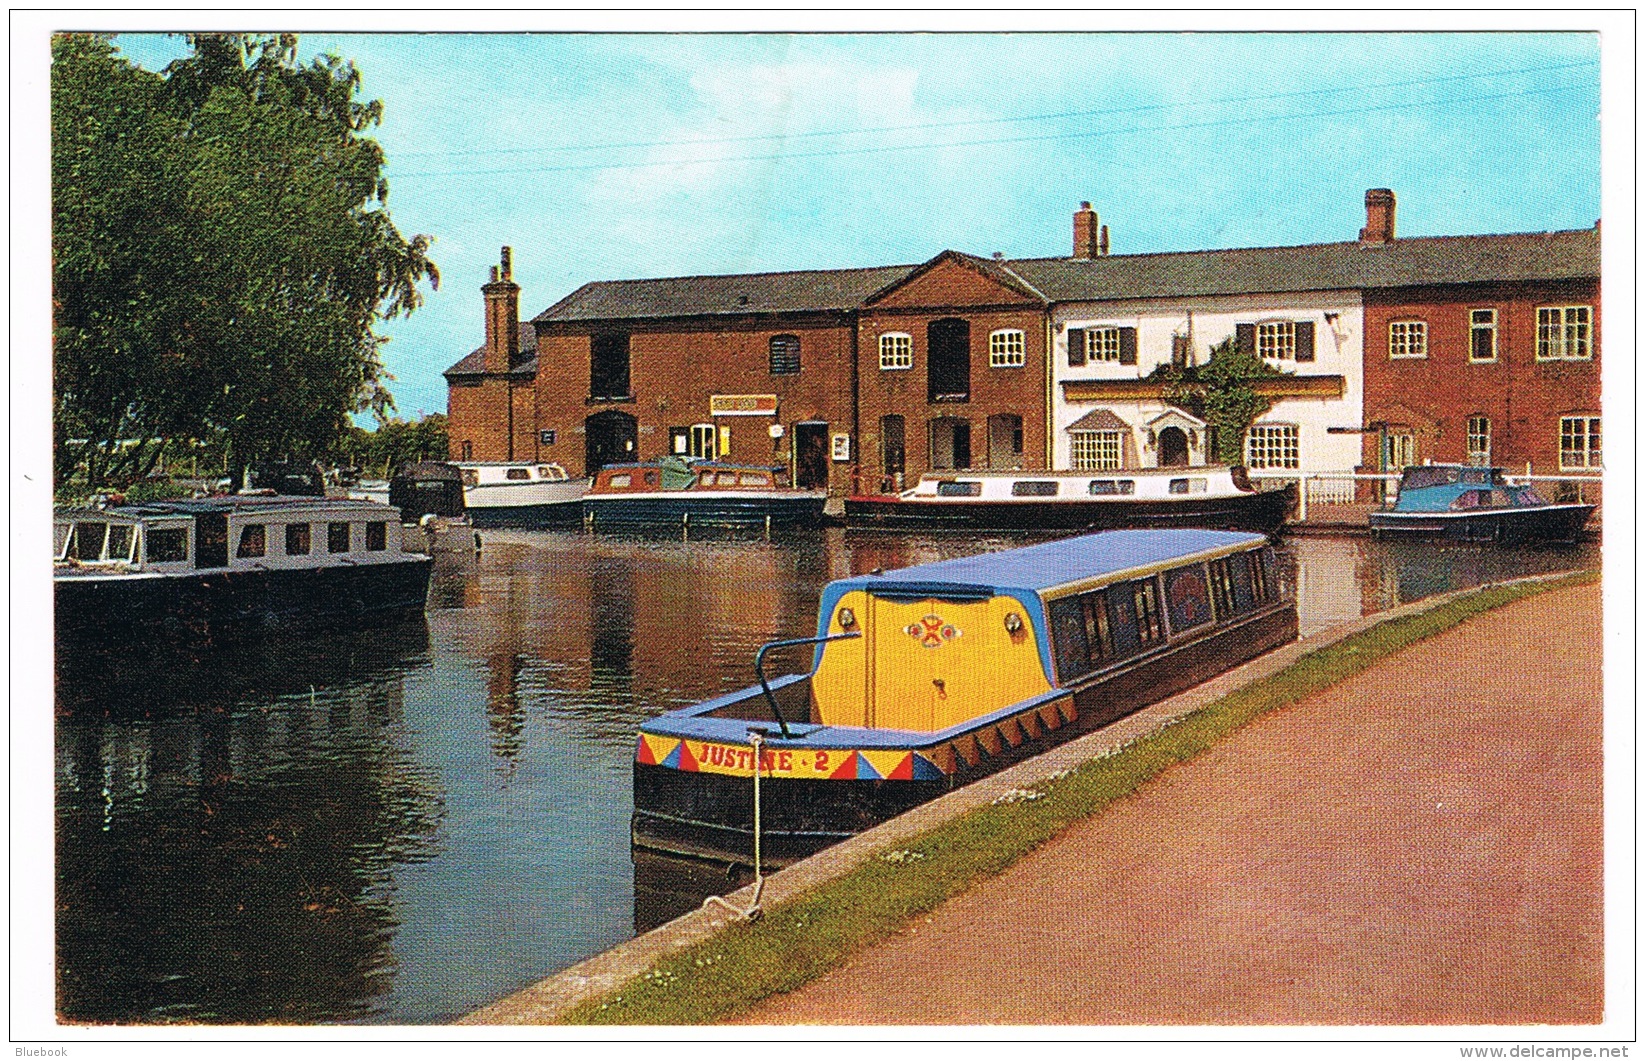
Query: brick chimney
{"points": [[502, 316], [1379, 216], [1090, 235]]}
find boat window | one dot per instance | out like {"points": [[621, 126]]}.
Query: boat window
{"points": [[471, 477], [517, 474], [544, 473], [755, 479], [1101, 487], [727, 479], [253, 542], [1222, 587], [297, 539], [1262, 576], [1470, 499], [1068, 634], [338, 539], [376, 536], [1188, 597], [619, 482], [651, 478], [1476, 475], [953, 489], [120, 542], [1499, 498], [1122, 615], [1179, 486], [1098, 634], [167, 545], [1150, 629], [88, 541], [1034, 488]]}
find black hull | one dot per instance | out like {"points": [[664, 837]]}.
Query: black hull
{"points": [[711, 816], [1262, 512], [1553, 523], [225, 606], [655, 510], [562, 514]]}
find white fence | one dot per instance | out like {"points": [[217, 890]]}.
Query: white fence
{"points": [[1340, 488]]}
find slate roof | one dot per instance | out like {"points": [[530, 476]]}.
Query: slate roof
{"points": [[1318, 267], [807, 291], [475, 362]]}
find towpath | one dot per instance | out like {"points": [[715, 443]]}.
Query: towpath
{"points": [[1420, 844]]}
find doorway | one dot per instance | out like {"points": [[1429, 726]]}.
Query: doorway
{"points": [[811, 455], [1005, 441], [950, 443], [1173, 448], [611, 438], [949, 375]]}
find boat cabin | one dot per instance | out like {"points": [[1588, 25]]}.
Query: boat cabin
{"points": [[1131, 484], [1460, 488], [671, 473], [489, 473], [427, 488]]}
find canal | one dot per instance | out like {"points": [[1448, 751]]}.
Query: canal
{"points": [[399, 826]]}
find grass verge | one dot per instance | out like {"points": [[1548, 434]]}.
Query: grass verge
{"points": [[809, 935]]}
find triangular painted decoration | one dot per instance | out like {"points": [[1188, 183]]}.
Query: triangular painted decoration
{"points": [[903, 771], [643, 752], [924, 769], [885, 763], [847, 770], [685, 760]]}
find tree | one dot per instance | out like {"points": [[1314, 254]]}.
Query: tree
{"points": [[1221, 392], [222, 269], [393, 443]]}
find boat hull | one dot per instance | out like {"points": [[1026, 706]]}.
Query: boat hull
{"points": [[1262, 512], [226, 605], [555, 514], [704, 814], [696, 508], [1548, 523]]}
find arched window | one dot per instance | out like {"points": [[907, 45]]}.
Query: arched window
{"points": [[785, 355]]}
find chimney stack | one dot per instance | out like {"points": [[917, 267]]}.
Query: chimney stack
{"points": [[1379, 216], [502, 296], [1090, 234]]}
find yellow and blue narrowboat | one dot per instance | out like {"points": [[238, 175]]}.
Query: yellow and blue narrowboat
{"points": [[927, 678]]}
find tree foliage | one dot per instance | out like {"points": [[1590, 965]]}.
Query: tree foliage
{"points": [[223, 253], [1221, 392], [393, 443]]}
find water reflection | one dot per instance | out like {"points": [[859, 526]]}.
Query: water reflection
{"points": [[444, 818]]}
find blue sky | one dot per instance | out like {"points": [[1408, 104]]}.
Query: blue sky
{"points": [[605, 156]]}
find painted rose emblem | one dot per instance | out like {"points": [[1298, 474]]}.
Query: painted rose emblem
{"points": [[932, 632]]}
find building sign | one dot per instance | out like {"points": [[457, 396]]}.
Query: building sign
{"points": [[742, 405], [546, 438], [842, 447]]}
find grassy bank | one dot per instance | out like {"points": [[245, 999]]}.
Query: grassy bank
{"points": [[806, 937]]}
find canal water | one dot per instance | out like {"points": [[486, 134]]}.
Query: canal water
{"points": [[401, 825]]}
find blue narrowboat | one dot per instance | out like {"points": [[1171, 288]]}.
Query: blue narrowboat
{"points": [[1458, 502], [927, 678]]}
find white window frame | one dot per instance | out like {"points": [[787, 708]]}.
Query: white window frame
{"points": [[1102, 343], [1096, 451], [1273, 446], [1586, 453], [1482, 320], [896, 351], [1007, 348], [1479, 440], [1569, 337], [1407, 339], [1277, 340]]}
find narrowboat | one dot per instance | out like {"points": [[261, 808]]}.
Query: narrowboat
{"points": [[1215, 497], [218, 568], [926, 678], [672, 492], [520, 493], [1456, 502]]}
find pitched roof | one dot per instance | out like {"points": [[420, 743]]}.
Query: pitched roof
{"points": [[474, 363], [1318, 267], [1099, 420], [812, 290]]}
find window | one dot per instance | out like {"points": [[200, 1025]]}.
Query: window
{"points": [[1149, 627], [1102, 344], [1106, 487], [609, 366], [1188, 486], [468, 450], [702, 441], [785, 355], [1407, 339], [168, 545], [88, 541], [952, 489], [1564, 333], [1272, 446], [1222, 587], [896, 351], [297, 539], [1482, 335], [948, 361], [1034, 488], [1278, 340], [1083, 632], [338, 539], [1006, 348], [516, 474], [620, 482], [1096, 451], [1479, 440], [1579, 443], [1188, 597], [892, 444], [120, 541], [253, 541], [376, 536]]}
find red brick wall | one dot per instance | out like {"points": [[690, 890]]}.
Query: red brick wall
{"points": [[479, 416], [1435, 396]]}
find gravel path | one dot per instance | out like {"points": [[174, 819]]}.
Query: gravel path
{"points": [[1418, 845]]}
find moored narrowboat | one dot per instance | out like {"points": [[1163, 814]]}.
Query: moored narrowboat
{"points": [[672, 492], [927, 678], [1464, 503], [213, 569], [1217, 497]]}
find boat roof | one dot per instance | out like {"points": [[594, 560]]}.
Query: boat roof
{"points": [[1176, 472], [200, 506], [1040, 567]]}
